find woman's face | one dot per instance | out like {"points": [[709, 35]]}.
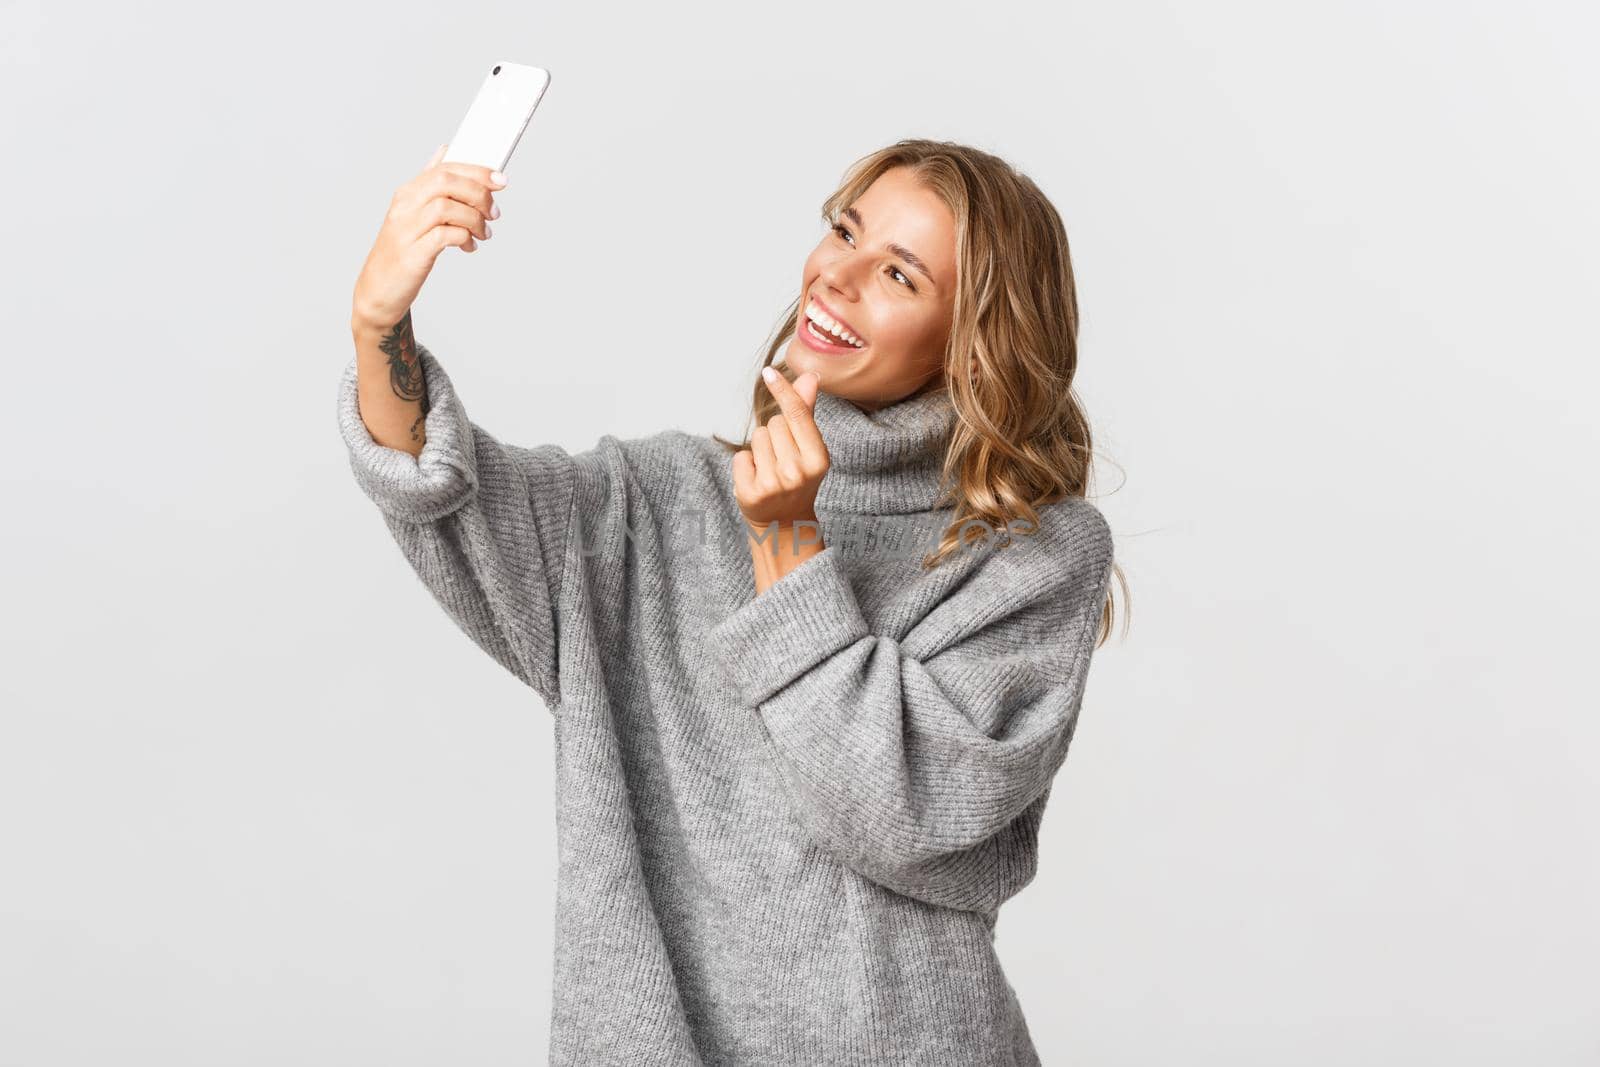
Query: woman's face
{"points": [[887, 274]]}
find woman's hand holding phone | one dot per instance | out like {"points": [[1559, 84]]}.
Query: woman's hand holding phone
{"points": [[446, 204]]}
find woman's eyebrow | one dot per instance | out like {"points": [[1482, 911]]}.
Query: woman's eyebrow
{"points": [[900, 250]]}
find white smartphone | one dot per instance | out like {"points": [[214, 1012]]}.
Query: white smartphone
{"points": [[498, 116]]}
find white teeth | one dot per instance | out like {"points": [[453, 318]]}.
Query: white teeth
{"points": [[824, 320], [817, 330]]}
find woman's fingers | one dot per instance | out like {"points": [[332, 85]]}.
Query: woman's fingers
{"points": [[796, 406], [460, 181], [444, 186], [475, 172], [766, 460], [776, 477], [786, 459], [439, 238], [485, 176], [447, 212], [744, 471]]}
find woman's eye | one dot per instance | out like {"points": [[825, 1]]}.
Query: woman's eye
{"points": [[839, 229]]}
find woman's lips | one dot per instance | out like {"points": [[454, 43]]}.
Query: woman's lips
{"points": [[827, 348]]}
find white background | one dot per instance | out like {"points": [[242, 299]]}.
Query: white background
{"points": [[1330, 802]]}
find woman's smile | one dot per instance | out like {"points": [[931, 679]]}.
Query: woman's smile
{"points": [[823, 341]]}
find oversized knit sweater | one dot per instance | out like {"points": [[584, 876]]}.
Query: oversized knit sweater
{"points": [[786, 822]]}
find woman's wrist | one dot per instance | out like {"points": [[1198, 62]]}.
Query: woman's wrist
{"points": [[779, 548]]}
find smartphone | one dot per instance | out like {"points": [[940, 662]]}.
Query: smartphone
{"points": [[498, 116]]}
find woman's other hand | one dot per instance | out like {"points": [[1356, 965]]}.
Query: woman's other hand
{"points": [[776, 479]]}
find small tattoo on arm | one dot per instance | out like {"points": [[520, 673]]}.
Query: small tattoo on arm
{"points": [[405, 369], [415, 436]]}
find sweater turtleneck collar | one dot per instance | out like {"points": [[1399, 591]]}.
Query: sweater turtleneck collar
{"points": [[883, 462]]}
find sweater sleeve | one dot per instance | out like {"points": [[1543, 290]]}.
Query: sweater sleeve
{"points": [[483, 524], [924, 763]]}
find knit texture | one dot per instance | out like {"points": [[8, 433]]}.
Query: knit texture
{"points": [[786, 822]]}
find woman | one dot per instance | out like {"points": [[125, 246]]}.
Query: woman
{"points": [[809, 698]]}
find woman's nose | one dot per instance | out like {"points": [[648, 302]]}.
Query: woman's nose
{"points": [[838, 277]]}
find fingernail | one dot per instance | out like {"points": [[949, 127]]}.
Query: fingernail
{"points": [[488, 231], [497, 177], [769, 374], [494, 211]]}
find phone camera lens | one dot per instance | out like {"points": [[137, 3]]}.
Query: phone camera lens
{"points": [[496, 70]]}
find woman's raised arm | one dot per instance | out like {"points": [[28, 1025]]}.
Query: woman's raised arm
{"points": [[484, 525]]}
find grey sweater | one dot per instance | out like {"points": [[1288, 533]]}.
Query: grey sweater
{"points": [[786, 823]]}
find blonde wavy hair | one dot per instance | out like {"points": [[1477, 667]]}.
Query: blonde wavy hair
{"points": [[1021, 438]]}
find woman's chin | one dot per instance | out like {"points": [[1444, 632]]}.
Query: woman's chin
{"points": [[800, 359]]}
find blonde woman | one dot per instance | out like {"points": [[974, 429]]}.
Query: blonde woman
{"points": [[810, 689]]}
